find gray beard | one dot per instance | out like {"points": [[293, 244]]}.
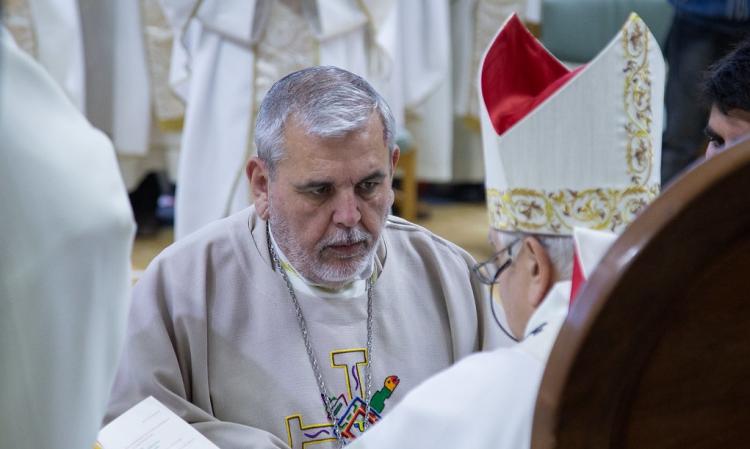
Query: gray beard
{"points": [[310, 266]]}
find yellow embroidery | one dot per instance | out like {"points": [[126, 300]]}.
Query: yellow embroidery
{"points": [[637, 100], [172, 126], [559, 211], [298, 418], [349, 360], [345, 367]]}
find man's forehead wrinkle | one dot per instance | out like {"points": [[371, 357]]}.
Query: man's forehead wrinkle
{"points": [[312, 183], [376, 172], [349, 180]]}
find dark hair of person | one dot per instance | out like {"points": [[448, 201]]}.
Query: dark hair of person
{"points": [[727, 83]]}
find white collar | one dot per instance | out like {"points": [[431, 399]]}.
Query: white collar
{"points": [[353, 289], [546, 321]]}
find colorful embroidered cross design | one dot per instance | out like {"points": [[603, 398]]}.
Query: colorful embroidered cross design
{"points": [[348, 407]]}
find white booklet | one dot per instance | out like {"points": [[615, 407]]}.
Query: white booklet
{"points": [[150, 425]]}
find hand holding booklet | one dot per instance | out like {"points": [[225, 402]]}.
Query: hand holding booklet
{"points": [[151, 425]]}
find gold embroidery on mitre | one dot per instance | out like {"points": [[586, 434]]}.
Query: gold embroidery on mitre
{"points": [[557, 212], [637, 100]]}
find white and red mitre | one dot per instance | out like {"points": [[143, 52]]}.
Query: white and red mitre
{"points": [[566, 148]]}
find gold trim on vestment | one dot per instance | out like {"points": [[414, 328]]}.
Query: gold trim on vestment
{"points": [[557, 212]]}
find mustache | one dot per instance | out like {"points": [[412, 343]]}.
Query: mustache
{"points": [[346, 237]]}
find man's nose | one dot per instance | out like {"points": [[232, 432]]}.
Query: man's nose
{"points": [[346, 209]]}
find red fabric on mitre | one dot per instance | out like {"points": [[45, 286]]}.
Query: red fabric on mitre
{"points": [[578, 278], [518, 74]]}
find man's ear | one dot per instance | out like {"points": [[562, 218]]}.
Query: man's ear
{"points": [[260, 180], [539, 270], [395, 154]]}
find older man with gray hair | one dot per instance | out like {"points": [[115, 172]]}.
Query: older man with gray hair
{"points": [[306, 317]]}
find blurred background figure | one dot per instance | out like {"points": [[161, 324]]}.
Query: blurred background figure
{"points": [[112, 60], [473, 25], [702, 31], [127, 46], [65, 242], [50, 32]]}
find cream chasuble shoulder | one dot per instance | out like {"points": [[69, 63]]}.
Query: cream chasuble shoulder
{"points": [[214, 336]]}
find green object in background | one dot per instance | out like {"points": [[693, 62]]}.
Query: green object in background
{"points": [[577, 30]]}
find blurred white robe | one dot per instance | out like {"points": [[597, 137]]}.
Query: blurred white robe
{"points": [[425, 47], [474, 24], [66, 235], [226, 56], [50, 31], [121, 93]]}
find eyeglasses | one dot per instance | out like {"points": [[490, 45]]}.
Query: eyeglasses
{"points": [[489, 271]]}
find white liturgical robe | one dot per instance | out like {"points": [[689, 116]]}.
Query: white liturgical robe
{"points": [[484, 401], [65, 238], [487, 400]]}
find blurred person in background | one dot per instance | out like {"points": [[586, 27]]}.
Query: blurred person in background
{"points": [[702, 32], [727, 91]]}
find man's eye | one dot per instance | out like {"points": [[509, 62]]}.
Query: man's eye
{"points": [[714, 139], [368, 186], [320, 191]]}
